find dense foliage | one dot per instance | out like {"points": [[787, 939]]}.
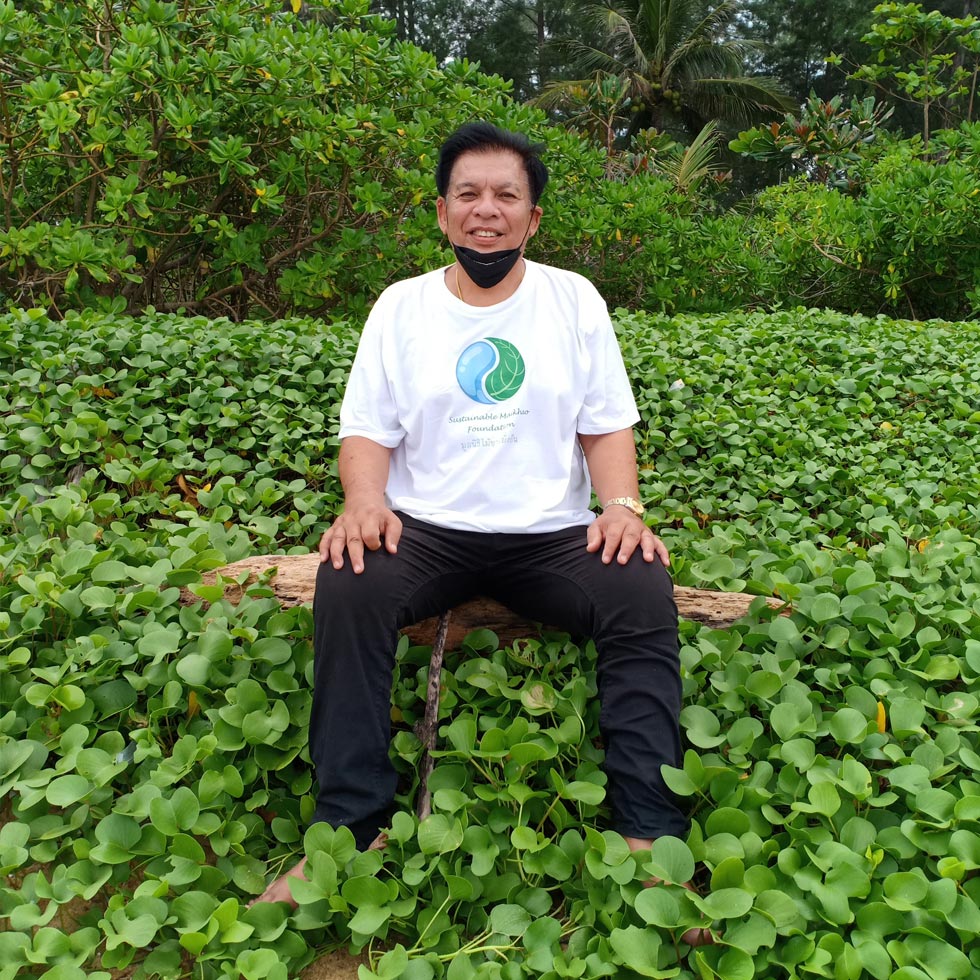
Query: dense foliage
{"points": [[226, 157], [925, 59], [902, 235], [152, 758], [681, 61], [234, 159]]}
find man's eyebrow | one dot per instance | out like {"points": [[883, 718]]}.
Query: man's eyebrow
{"points": [[503, 185]]}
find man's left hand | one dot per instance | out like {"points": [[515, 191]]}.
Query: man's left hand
{"points": [[618, 533]]}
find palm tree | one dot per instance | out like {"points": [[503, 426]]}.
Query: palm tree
{"points": [[680, 61]]}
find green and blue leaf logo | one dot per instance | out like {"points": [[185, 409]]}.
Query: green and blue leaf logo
{"points": [[490, 371]]}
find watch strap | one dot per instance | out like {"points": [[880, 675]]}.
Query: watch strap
{"points": [[630, 503]]}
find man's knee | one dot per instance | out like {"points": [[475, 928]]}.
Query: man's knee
{"points": [[341, 591], [639, 593]]}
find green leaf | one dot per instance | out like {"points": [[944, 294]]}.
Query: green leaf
{"points": [[369, 919], [194, 669], [260, 964], [418, 970], [584, 792], [657, 906], [392, 964], [542, 933], [439, 834], [848, 725], [509, 920], [137, 931], [68, 971], [736, 965], [99, 597], [159, 643], [110, 571], [505, 380], [825, 607], [714, 569], [364, 890], [163, 818], [727, 903], [905, 890], [906, 716], [639, 950], [272, 649], [671, 860], [861, 579], [65, 790]]}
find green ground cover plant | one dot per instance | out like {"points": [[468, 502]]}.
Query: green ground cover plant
{"points": [[153, 768]]}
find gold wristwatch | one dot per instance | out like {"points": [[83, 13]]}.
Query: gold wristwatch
{"points": [[631, 502]]}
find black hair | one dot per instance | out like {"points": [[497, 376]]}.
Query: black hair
{"points": [[477, 137]]}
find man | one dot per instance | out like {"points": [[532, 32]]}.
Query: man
{"points": [[485, 402]]}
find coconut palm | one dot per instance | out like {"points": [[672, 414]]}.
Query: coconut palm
{"points": [[681, 60]]}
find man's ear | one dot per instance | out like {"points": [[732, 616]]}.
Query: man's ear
{"points": [[441, 215], [536, 214]]}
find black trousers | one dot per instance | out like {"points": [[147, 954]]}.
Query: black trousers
{"points": [[628, 610]]}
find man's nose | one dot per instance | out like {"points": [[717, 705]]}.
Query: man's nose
{"points": [[486, 204]]}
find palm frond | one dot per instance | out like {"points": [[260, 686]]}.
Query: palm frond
{"points": [[743, 99], [620, 33], [681, 59], [696, 163], [657, 20]]}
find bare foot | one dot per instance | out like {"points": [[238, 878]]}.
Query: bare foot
{"points": [[278, 890], [694, 936]]}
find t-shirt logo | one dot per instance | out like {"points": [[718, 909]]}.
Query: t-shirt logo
{"points": [[490, 371]]}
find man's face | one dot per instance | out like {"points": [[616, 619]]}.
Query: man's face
{"points": [[488, 202]]}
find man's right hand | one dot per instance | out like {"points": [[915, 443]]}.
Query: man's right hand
{"points": [[360, 526]]}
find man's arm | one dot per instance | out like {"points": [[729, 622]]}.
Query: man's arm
{"points": [[366, 519], [611, 457]]}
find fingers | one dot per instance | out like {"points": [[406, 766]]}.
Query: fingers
{"points": [[352, 534], [654, 548], [623, 548], [593, 537], [619, 538], [324, 547], [393, 534], [355, 549]]}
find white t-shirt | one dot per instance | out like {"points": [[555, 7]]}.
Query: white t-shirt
{"points": [[482, 406]]}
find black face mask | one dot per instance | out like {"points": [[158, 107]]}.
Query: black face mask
{"points": [[486, 269]]}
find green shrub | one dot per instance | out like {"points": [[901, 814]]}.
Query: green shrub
{"points": [[231, 159], [223, 157], [906, 243], [234, 160]]}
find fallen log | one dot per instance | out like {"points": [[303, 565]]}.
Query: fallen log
{"points": [[295, 577], [293, 583]]}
